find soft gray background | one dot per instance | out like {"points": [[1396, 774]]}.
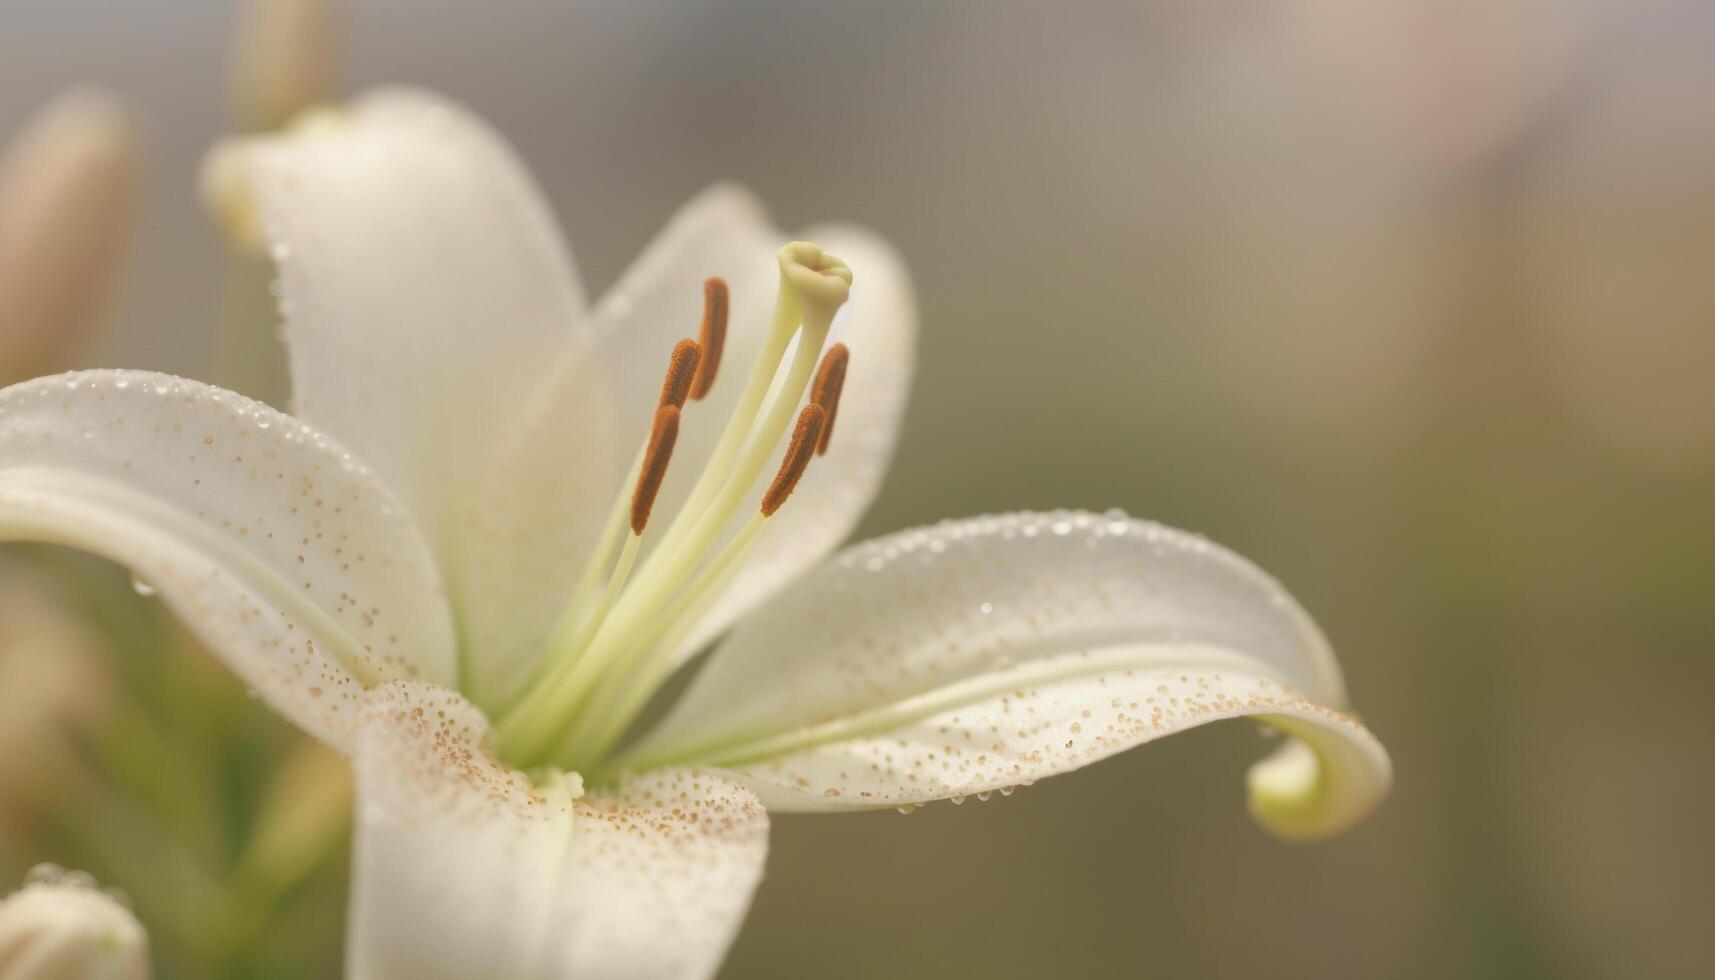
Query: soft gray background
{"points": [[1410, 301]]}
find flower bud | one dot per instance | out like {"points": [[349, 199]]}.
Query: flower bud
{"points": [[282, 61], [61, 927], [67, 189]]}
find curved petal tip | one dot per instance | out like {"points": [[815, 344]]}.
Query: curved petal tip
{"points": [[1319, 785]]}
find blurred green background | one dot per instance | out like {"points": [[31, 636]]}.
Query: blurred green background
{"points": [[1411, 301]]}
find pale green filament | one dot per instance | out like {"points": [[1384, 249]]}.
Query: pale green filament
{"points": [[623, 694]]}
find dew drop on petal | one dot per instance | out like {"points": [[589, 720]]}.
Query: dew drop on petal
{"points": [[141, 587], [46, 873]]}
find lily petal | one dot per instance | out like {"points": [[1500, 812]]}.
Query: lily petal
{"points": [[284, 554], [724, 231], [464, 870], [540, 508], [425, 292], [986, 653]]}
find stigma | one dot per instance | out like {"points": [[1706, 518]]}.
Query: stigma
{"points": [[617, 637]]}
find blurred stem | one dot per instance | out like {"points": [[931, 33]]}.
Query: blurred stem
{"points": [[305, 815], [143, 761]]}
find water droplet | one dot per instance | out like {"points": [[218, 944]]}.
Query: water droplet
{"points": [[46, 873], [955, 800], [141, 587], [983, 797], [1007, 790], [986, 608], [908, 809]]}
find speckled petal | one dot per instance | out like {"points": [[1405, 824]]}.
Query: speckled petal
{"points": [[725, 232], [982, 654], [465, 871], [425, 293], [281, 551]]}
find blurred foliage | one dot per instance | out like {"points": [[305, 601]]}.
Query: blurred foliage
{"points": [[174, 791]]}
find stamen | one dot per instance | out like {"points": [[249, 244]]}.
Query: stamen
{"points": [[830, 379], [614, 647], [712, 336], [681, 368], [804, 437], [654, 469]]}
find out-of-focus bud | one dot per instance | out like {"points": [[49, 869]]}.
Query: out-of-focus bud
{"points": [[226, 196], [60, 926], [67, 194], [224, 181], [54, 688], [282, 60]]}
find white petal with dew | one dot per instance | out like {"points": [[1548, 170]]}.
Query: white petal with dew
{"points": [[985, 653], [464, 870], [425, 291], [279, 549]]}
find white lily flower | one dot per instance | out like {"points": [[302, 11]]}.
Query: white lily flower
{"points": [[507, 552]]}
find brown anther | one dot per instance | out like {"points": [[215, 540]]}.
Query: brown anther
{"points": [[830, 378], [681, 368], [797, 460], [712, 335], [661, 439]]}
